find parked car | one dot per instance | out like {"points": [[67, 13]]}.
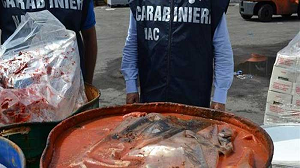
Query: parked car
{"points": [[265, 9]]}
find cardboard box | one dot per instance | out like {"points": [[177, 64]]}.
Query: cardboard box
{"points": [[282, 80], [286, 61], [296, 102], [279, 98], [284, 74], [272, 108], [296, 89], [281, 86], [276, 114]]}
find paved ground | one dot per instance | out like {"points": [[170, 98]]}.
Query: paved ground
{"points": [[246, 97]]}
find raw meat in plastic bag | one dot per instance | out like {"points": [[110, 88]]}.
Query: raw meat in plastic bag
{"points": [[40, 72]]}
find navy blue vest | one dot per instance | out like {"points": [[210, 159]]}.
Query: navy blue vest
{"points": [[175, 48], [72, 13]]}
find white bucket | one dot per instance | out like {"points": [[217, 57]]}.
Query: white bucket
{"points": [[286, 141]]}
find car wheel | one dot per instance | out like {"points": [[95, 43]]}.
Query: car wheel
{"points": [[265, 13], [246, 17], [286, 15]]}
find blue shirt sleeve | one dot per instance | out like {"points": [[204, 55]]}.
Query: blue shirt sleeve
{"points": [[90, 18], [130, 58], [223, 63]]}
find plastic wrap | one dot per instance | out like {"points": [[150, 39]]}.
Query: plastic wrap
{"points": [[283, 104], [157, 141], [40, 72]]}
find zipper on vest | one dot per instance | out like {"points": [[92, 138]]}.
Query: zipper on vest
{"points": [[169, 46]]}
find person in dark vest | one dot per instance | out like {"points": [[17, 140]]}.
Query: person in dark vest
{"points": [[76, 15], [178, 49]]}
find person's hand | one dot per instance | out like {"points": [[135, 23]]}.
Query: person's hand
{"points": [[132, 98], [217, 106]]}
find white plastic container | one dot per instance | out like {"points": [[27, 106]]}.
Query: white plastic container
{"points": [[286, 139]]}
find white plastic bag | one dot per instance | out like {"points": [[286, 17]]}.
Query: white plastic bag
{"points": [[2, 166], [284, 108], [40, 72]]}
